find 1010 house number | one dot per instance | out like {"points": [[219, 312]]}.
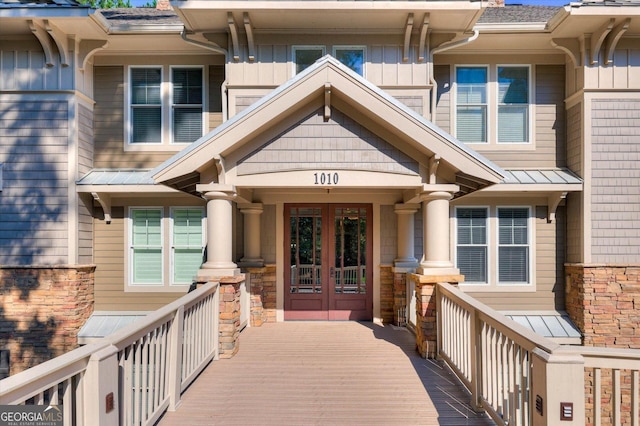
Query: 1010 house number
{"points": [[325, 178]]}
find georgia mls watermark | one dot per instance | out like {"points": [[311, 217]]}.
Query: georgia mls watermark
{"points": [[30, 415]]}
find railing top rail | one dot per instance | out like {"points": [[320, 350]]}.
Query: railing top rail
{"points": [[518, 333], [40, 377], [600, 352]]}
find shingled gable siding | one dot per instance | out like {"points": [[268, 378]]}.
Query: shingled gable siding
{"points": [[332, 144], [615, 206], [33, 202]]}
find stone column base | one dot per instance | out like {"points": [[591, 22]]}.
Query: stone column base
{"points": [[263, 295]]}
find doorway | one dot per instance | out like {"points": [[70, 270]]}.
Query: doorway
{"points": [[328, 262]]}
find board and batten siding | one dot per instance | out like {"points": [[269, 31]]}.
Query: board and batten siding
{"points": [[549, 282], [622, 73], [615, 170], [110, 272], [23, 68], [34, 199]]}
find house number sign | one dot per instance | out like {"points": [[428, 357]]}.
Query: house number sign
{"points": [[321, 178]]}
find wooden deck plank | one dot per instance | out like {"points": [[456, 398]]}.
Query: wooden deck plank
{"points": [[325, 373]]}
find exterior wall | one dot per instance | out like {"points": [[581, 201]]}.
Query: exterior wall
{"points": [[268, 234], [34, 200], [575, 201], [603, 301], [23, 68], [549, 275], [615, 168], [110, 118], [388, 235], [623, 73], [42, 310], [383, 60], [263, 295], [548, 147], [85, 164], [334, 144], [386, 294]]}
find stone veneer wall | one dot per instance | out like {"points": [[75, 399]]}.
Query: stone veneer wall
{"points": [[41, 311], [230, 306], [386, 294], [263, 295], [604, 303]]}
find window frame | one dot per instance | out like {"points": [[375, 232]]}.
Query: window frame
{"points": [[295, 48], [172, 104], [130, 107], [529, 246], [167, 229], [530, 124], [487, 244], [172, 245], [352, 47]]}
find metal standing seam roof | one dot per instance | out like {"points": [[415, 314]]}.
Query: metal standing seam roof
{"points": [[102, 324], [117, 177], [552, 325], [541, 176]]}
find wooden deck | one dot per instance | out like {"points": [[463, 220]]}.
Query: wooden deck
{"points": [[325, 373]]}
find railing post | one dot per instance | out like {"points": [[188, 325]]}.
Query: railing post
{"points": [[557, 389], [439, 321], [216, 322], [175, 361], [101, 389], [475, 361]]}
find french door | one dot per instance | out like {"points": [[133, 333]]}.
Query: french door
{"points": [[328, 267]]}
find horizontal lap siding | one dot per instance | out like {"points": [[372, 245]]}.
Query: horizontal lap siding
{"points": [[575, 234], [34, 139], [85, 164], [442, 75], [549, 252], [615, 193], [548, 122], [110, 271]]}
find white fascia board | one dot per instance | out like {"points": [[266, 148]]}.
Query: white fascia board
{"points": [[325, 5]]}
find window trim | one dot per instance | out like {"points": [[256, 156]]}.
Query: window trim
{"points": [[352, 47], [529, 105], [172, 103], [294, 48]]}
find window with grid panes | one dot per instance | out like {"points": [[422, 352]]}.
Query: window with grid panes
{"points": [[187, 104], [187, 245], [513, 245], [471, 244], [513, 104], [146, 105], [471, 104]]}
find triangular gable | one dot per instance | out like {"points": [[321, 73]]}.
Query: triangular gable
{"points": [[307, 92]]}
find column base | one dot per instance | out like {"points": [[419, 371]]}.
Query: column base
{"points": [[446, 271], [204, 274], [251, 262]]}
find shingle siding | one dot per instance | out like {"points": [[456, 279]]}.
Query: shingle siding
{"points": [[615, 199], [34, 200]]}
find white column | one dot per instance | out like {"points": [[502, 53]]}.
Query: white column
{"points": [[252, 231], [219, 236], [435, 211], [405, 238]]}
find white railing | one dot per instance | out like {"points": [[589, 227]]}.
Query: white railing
{"points": [[521, 378], [132, 376]]}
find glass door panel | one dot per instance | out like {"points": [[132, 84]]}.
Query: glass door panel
{"points": [[306, 250], [349, 272]]}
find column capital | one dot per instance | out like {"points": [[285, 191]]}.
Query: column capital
{"points": [[215, 191], [401, 208], [436, 195], [251, 208]]}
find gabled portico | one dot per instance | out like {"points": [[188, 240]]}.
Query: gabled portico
{"points": [[327, 137]]}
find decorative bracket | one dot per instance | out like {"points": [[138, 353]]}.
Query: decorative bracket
{"points": [[233, 30], [597, 39], [61, 40], [407, 37], [44, 40], [613, 40], [434, 162], [424, 31], [250, 39], [570, 46], [327, 101], [553, 201], [87, 48], [105, 202]]}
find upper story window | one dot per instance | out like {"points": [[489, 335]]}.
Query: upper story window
{"points": [[492, 104], [513, 104], [351, 56], [471, 104], [166, 106], [165, 251]]}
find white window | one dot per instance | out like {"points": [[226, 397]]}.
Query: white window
{"points": [[159, 259], [472, 244], [471, 104], [513, 104], [493, 247], [513, 245], [351, 56], [305, 56], [166, 106]]}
